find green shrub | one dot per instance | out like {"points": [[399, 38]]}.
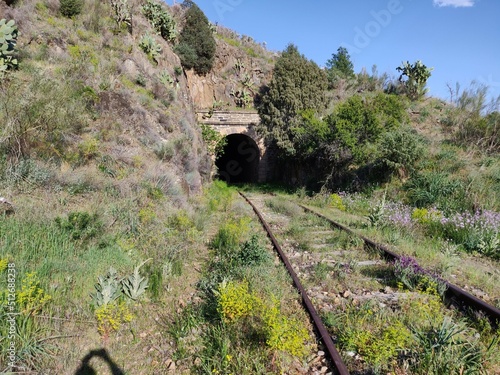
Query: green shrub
{"points": [[229, 235], [80, 225], [391, 109], [400, 150], [70, 8], [220, 196], [252, 253], [353, 125], [187, 54], [214, 141]]}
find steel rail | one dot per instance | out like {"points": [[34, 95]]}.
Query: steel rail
{"points": [[453, 293], [324, 336]]}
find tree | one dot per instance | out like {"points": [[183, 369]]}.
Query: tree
{"points": [[197, 46], [416, 78], [298, 84], [340, 66]]}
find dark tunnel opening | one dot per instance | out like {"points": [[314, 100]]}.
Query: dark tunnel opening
{"points": [[239, 161]]}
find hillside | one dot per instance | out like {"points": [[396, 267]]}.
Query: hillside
{"points": [[125, 106]]}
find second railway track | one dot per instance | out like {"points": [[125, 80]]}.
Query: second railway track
{"points": [[317, 250]]}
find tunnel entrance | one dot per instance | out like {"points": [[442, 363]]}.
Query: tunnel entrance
{"points": [[239, 161]]}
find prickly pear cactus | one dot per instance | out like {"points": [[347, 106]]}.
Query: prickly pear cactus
{"points": [[123, 14], [8, 40]]}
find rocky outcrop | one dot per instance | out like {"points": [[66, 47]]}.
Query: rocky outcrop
{"points": [[234, 70]]}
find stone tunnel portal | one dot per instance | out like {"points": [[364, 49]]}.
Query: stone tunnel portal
{"points": [[239, 161]]}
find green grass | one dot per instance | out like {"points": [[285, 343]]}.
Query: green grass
{"points": [[48, 250]]}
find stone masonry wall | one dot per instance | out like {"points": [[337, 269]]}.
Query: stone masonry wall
{"points": [[228, 118]]}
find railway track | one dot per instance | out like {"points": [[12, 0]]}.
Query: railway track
{"points": [[322, 255]]}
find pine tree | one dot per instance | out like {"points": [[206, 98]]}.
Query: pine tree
{"points": [[298, 84], [340, 66], [196, 47]]}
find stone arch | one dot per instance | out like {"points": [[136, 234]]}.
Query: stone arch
{"points": [[230, 123], [240, 159]]}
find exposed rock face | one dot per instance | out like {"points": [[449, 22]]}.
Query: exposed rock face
{"points": [[232, 67]]}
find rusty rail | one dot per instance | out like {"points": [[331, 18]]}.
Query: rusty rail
{"points": [[323, 334]]}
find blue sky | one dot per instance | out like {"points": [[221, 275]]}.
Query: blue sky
{"points": [[460, 39]]}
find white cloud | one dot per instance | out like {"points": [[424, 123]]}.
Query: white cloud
{"points": [[454, 3]]}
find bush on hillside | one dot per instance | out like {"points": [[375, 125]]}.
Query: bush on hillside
{"points": [[70, 8], [40, 116], [474, 122], [400, 150], [353, 125]]}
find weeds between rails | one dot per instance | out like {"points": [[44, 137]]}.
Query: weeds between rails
{"points": [[321, 330], [452, 293], [458, 296]]}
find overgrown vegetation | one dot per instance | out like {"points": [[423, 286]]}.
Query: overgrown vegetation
{"points": [[102, 159], [391, 322]]}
